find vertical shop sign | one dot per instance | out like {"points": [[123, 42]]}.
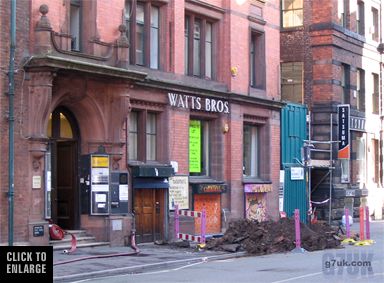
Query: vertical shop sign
{"points": [[194, 146], [343, 131]]}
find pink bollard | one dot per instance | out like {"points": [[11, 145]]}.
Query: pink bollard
{"points": [[297, 229], [177, 224], [203, 224], [367, 228], [361, 210]]}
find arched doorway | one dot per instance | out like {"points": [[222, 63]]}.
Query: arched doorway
{"points": [[63, 133]]}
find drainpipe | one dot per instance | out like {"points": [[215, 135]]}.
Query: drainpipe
{"points": [[11, 119]]}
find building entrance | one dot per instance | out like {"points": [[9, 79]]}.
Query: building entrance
{"points": [[64, 162], [149, 214]]}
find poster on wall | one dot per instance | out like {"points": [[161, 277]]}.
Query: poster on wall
{"points": [[255, 207], [194, 146], [297, 173], [178, 192]]}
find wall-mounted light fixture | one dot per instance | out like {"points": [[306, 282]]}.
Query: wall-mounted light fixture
{"points": [[234, 71], [225, 128]]}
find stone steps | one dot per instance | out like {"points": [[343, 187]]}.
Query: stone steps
{"points": [[82, 240]]}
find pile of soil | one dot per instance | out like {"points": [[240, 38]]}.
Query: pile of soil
{"points": [[267, 237]]}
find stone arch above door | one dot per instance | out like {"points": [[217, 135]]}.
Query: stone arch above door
{"points": [[100, 107]]}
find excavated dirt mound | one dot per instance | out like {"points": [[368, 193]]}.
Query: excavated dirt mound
{"points": [[272, 237]]}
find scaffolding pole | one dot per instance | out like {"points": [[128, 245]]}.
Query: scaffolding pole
{"points": [[329, 165], [331, 171]]}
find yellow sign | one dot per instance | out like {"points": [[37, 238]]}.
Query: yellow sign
{"points": [[100, 161], [194, 146]]}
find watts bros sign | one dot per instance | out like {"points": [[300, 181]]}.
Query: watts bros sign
{"points": [[198, 103]]}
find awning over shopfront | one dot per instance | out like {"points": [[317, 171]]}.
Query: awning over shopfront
{"points": [[159, 171], [150, 183]]}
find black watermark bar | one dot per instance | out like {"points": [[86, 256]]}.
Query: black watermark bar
{"points": [[26, 262], [348, 263]]}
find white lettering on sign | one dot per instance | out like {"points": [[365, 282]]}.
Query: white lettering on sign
{"points": [[196, 103], [357, 124]]}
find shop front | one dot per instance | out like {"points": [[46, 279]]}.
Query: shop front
{"points": [[208, 197], [150, 205]]}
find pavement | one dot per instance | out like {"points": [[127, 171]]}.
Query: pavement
{"points": [[102, 261]]}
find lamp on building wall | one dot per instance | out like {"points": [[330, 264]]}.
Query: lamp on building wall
{"points": [[225, 128], [234, 71], [380, 49]]}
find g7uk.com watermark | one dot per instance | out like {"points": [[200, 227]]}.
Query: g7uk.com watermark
{"points": [[348, 263]]}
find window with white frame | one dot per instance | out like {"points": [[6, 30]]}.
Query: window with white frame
{"points": [[375, 160], [361, 157], [345, 171], [292, 13], [360, 18], [257, 60], [360, 89], [74, 25], [375, 94], [251, 151], [342, 12], [142, 20], [142, 136], [198, 51], [345, 84], [151, 136], [375, 24], [133, 136]]}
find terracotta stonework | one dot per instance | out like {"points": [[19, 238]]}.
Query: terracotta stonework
{"points": [[73, 103]]}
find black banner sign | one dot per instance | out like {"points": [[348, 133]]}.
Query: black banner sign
{"points": [[18, 263], [343, 130], [209, 188]]}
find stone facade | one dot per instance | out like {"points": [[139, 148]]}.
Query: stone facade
{"points": [[95, 90]]}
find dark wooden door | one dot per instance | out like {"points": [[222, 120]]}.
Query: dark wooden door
{"points": [[159, 214], [65, 193], [149, 214]]}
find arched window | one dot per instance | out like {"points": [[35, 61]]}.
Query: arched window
{"points": [[59, 126]]}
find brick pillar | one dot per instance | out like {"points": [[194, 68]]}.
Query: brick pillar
{"points": [[37, 114], [38, 233]]}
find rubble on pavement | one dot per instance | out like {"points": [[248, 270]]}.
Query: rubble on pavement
{"points": [[268, 237]]}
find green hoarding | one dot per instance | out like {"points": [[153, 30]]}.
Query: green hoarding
{"points": [[194, 146]]}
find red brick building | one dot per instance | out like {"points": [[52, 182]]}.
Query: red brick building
{"points": [[124, 109], [330, 57]]}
